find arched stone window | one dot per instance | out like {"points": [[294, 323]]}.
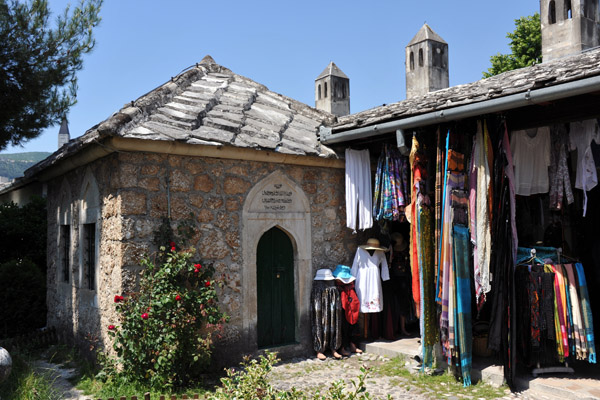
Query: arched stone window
{"points": [[89, 218], [552, 12], [412, 61], [568, 10], [420, 57], [319, 92], [325, 90]]}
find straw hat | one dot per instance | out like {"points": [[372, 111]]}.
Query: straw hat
{"points": [[342, 273], [372, 244], [324, 274]]}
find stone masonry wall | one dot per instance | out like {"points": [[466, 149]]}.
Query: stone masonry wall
{"points": [[137, 191], [80, 313]]}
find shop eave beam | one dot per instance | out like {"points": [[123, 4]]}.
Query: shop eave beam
{"points": [[530, 97]]}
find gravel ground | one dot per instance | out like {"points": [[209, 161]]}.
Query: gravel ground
{"points": [[312, 375]]}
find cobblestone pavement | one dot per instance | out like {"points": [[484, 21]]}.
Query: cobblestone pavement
{"points": [[310, 375]]}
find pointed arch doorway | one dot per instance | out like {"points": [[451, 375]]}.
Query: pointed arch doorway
{"points": [[275, 289]]}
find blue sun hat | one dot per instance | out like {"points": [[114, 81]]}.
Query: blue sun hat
{"points": [[342, 272]]}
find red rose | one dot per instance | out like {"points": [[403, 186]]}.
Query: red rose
{"points": [[145, 316], [119, 299], [207, 283], [178, 297], [111, 327], [172, 244], [173, 248], [196, 270], [197, 266]]}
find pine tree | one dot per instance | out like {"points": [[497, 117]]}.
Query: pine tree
{"points": [[39, 60]]}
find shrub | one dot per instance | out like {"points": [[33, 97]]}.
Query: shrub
{"points": [[23, 232], [164, 335], [22, 298], [250, 382]]}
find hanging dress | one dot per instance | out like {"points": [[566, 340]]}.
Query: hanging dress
{"points": [[365, 268]]}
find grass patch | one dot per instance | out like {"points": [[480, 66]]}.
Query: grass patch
{"points": [[437, 386], [26, 384]]}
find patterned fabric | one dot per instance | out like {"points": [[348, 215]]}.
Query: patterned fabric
{"points": [[463, 301], [588, 320], [418, 173], [454, 180], [429, 331], [440, 243], [439, 183], [559, 172], [391, 185], [578, 328], [326, 316], [482, 221]]}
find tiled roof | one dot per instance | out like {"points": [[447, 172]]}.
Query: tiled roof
{"points": [[547, 74], [210, 105]]}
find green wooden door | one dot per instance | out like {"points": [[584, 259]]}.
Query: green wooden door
{"points": [[275, 289]]}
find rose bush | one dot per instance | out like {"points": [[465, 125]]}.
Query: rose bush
{"points": [[164, 335]]}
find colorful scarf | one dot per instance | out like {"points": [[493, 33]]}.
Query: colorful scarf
{"points": [[429, 332], [390, 194], [578, 327], [588, 320], [463, 300], [439, 185], [440, 268]]}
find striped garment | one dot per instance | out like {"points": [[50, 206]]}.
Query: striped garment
{"points": [[586, 312], [464, 335]]}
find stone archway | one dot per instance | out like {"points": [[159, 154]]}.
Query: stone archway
{"points": [[277, 201]]}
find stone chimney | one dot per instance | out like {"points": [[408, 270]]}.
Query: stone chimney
{"points": [[63, 133], [332, 91]]}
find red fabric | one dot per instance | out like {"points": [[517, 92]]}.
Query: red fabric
{"points": [[350, 302]]}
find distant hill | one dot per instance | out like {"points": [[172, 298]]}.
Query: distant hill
{"points": [[13, 165]]}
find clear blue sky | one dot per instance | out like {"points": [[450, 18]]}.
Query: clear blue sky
{"points": [[283, 45]]}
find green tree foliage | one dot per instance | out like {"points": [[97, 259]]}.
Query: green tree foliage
{"points": [[525, 46], [38, 63], [23, 232], [23, 298]]}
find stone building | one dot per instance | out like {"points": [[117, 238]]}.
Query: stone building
{"points": [[244, 161], [251, 164]]}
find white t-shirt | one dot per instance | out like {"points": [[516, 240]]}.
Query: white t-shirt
{"points": [[581, 134], [531, 158]]}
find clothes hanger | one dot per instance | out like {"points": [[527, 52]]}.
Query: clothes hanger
{"points": [[529, 261]]}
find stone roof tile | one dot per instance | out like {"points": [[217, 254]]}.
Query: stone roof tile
{"points": [[209, 104], [547, 74]]}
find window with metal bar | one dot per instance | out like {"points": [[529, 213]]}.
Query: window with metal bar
{"points": [[65, 250], [89, 234]]}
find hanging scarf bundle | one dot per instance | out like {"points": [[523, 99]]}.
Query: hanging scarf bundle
{"points": [[418, 173], [391, 185], [480, 206], [463, 301], [586, 311], [429, 332], [578, 328]]}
